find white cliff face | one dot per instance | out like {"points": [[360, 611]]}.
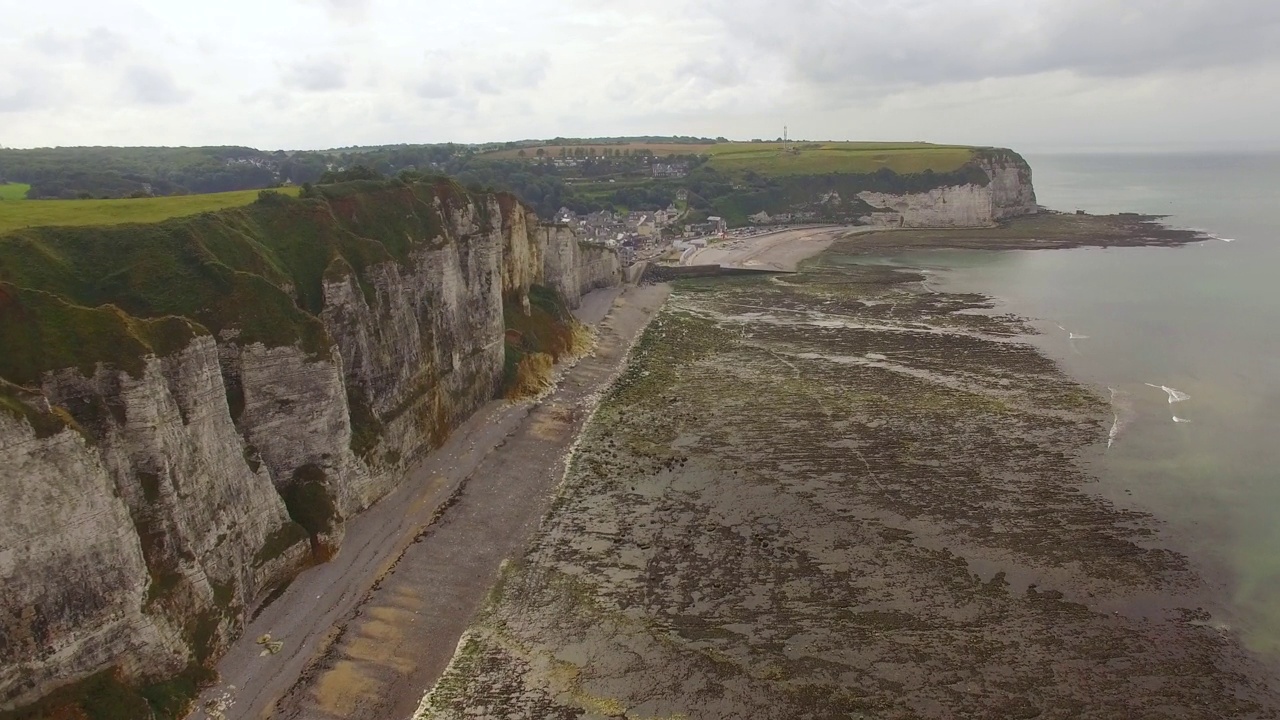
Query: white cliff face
{"points": [[295, 414], [171, 515], [1009, 193], [73, 572], [424, 351], [575, 268], [954, 206], [113, 546], [1012, 193]]}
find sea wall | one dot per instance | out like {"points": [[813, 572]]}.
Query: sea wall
{"points": [[163, 476]]}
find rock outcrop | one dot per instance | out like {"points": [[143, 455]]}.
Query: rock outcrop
{"points": [[1007, 192], [162, 475]]}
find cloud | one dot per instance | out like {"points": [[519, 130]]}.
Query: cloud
{"points": [[103, 46], [317, 75], [986, 71], [858, 44], [528, 69], [346, 10], [96, 46], [26, 97], [435, 88], [438, 77], [508, 72], [719, 70], [151, 86], [446, 74]]}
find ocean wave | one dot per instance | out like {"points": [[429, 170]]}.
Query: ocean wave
{"points": [[1121, 414], [1175, 395], [1180, 420]]}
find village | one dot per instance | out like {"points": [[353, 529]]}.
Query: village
{"points": [[656, 235]]}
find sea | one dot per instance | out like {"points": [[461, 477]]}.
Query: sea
{"points": [[1183, 342]]}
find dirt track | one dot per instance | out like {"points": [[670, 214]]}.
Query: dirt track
{"points": [[365, 633]]}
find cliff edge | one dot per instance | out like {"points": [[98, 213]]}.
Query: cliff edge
{"points": [[190, 410], [995, 185]]}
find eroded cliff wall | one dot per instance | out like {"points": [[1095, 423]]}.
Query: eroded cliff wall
{"points": [[1003, 189], [189, 412], [578, 267]]}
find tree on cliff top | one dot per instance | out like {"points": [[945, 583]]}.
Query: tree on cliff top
{"points": [[355, 172]]}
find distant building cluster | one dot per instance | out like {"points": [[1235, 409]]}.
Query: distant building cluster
{"points": [[670, 170], [630, 232]]}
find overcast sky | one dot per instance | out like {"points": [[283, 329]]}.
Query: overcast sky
{"points": [[1036, 75]]}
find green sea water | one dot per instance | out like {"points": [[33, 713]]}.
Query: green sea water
{"points": [[1185, 342]]}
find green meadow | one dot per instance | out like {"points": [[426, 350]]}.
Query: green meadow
{"points": [[807, 158], [39, 213], [13, 191]]}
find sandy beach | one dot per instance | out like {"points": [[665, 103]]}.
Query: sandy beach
{"points": [[365, 633], [782, 251]]}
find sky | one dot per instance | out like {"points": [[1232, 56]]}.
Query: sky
{"points": [[1035, 75]]}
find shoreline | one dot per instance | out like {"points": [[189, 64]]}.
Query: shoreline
{"points": [[780, 251], [800, 488], [356, 656], [785, 250], [1209, 560], [384, 541]]}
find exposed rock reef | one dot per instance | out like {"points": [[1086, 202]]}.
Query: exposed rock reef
{"points": [[190, 410], [849, 493]]}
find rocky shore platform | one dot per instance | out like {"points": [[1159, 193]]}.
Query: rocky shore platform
{"points": [[842, 493]]}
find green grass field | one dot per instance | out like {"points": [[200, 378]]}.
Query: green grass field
{"points": [[13, 191], [822, 158], [812, 158], [553, 151], [36, 213]]}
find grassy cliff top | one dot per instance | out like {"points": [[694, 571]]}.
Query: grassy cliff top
{"points": [[796, 158], [823, 158], [17, 213], [75, 295]]}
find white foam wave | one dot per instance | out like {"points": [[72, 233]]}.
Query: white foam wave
{"points": [[1116, 424], [1175, 395], [1180, 420], [1073, 336]]}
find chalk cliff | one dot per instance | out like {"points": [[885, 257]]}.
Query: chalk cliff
{"points": [[989, 185], [189, 412], [1000, 189]]}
